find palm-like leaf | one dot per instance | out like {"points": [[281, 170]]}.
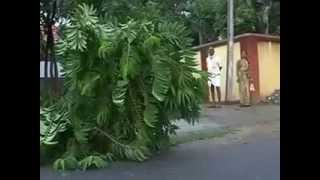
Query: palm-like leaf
{"points": [[119, 93], [162, 79], [97, 161], [51, 124], [150, 115], [125, 83], [69, 162]]}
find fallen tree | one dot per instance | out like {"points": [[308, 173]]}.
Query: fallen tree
{"points": [[125, 85]]}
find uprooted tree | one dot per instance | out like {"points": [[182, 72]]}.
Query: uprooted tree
{"points": [[125, 85]]}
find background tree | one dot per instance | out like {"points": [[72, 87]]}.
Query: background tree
{"points": [[268, 13], [245, 17], [205, 18], [208, 18]]}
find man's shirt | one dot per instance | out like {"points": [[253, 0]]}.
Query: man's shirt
{"points": [[214, 64]]}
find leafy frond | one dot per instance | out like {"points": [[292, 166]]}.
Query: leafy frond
{"points": [[119, 93], [150, 115], [125, 85], [93, 161], [76, 39], [81, 133], [85, 16], [129, 63], [151, 42], [51, 124], [162, 79], [103, 115], [175, 33], [67, 163], [125, 151]]}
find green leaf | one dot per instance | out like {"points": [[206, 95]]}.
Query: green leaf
{"points": [[150, 115], [86, 16], [76, 39], [162, 79], [61, 47], [68, 163], [119, 93], [104, 49], [97, 161], [129, 63], [81, 133], [89, 83], [52, 123], [152, 42]]}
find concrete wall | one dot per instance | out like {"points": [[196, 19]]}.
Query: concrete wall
{"points": [[198, 59], [269, 67]]}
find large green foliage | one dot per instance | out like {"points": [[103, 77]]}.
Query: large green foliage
{"points": [[268, 14], [246, 19], [206, 18], [209, 17], [125, 85]]}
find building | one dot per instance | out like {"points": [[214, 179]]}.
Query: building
{"points": [[264, 60]]}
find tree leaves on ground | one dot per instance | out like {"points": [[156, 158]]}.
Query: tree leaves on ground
{"points": [[93, 161]]}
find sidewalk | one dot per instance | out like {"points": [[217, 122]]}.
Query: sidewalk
{"points": [[218, 122]]}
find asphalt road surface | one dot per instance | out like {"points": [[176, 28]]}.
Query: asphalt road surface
{"points": [[257, 158]]}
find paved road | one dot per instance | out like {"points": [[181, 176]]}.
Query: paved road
{"points": [[250, 153], [201, 160]]}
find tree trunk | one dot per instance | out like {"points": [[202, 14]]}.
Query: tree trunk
{"points": [[266, 16], [50, 53], [200, 38], [267, 26]]}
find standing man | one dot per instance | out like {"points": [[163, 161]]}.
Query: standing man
{"points": [[243, 80], [214, 69]]}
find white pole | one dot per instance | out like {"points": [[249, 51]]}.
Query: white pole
{"points": [[230, 68]]}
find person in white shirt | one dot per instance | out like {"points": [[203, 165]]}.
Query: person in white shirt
{"points": [[214, 70]]}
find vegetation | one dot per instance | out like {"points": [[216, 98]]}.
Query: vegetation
{"points": [[129, 72], [125, 86], [209, 17]]}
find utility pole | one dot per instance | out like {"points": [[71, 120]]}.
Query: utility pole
{"points": [[229, 78]]}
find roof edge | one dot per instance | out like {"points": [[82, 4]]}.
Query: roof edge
{"points": [[238, 37]]}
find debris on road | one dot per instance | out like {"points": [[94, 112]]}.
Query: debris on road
{"points": [[274, 98]]}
